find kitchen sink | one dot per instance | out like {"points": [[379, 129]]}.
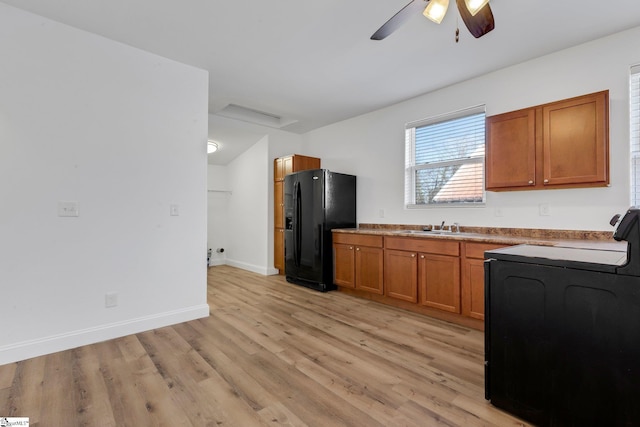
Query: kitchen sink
{"points": [[425, 231]]}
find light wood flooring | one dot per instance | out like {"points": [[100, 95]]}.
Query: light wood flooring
{"points": [[270, 354]]}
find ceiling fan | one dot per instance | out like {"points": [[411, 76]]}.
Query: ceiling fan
{"points": [[476, 14]]}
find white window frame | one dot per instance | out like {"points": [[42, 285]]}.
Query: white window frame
{"points": [[411, 168], [634, 134]]}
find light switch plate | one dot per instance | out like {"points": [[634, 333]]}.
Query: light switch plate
{"points": [[111, 300], [68, 209]]}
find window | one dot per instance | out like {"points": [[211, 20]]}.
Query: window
{"points": [[444, 160], [634, 132]]}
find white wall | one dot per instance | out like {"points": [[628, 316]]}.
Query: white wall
{"points": [[218, 196], [248, 176], [123, 133], [372, 146], [247, 228]]}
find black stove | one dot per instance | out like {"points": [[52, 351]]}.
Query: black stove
{"points": [[562, 331]]}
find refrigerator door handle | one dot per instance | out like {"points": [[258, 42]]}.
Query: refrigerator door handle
{"points": [[296, 223]]}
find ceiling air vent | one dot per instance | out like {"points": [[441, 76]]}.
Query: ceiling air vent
{"points": [[251, 115]]}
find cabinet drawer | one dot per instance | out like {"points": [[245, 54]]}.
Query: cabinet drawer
{"points": [[358, 239], [432, 246], [476, 250]]}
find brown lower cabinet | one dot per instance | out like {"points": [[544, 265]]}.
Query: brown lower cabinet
{"points": [[358, 262], [401, 275], [439, 279], [473, 288], [426, 275], [278, 252], [432, 280], [473, 278], [422, 270]]}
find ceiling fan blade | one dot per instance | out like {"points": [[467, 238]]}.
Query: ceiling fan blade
{"points": [[399, 18], [481, 23]]}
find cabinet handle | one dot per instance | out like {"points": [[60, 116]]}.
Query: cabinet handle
{"points": [[422, 256], [413, 255], [350, 248], [530, 182], [546, 181], [357, 249]]}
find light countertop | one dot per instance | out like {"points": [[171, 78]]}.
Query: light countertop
{"points": [[561, 238]]}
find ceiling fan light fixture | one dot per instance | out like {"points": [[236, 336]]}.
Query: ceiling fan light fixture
{"points": [[212, 146], [436, 9], [474, 6]]}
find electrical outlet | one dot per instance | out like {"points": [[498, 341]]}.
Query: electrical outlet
{"points": [[498, 212], [68, 209], [111, 299], [174, 210], [543, 209], [381, 213]]}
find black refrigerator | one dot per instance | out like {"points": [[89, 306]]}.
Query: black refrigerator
{"points": [[315, 202]]}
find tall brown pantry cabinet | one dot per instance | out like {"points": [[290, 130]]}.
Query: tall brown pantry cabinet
{"points": [[281, 167]]}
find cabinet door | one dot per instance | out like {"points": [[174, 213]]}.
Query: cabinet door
{"points": [[472, 296], [344, 265], [576, 141], [278, 204], [287, 165], [278, 169], [278, 249], [473, 288], [369, 270], [439, 282], [401, 275], [511, 150], [300, 163]]}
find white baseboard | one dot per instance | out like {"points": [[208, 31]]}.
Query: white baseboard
{"points": [[272, 271], [46, 345], [265, 271]]}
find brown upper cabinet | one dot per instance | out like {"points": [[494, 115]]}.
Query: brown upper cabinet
{"points": [[563, 144], [283, 166]]}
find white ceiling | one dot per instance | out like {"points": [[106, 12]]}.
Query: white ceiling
{"points": [[312, 62]]}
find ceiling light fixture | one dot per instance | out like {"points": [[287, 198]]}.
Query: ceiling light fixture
{"points": [[474, 6], [476, 15], [436, 9], [212, 146]]}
